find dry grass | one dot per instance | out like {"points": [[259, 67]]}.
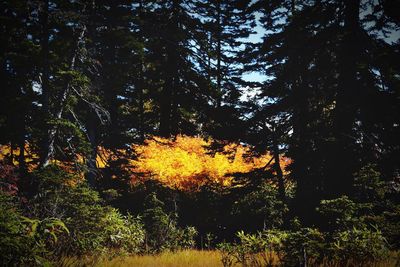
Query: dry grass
{"points": [[185, 258], [191, 258]]}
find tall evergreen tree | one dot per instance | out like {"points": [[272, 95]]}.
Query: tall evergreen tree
{"points": [[226, 26], [18, 54], [320, 57], [180, 91]]}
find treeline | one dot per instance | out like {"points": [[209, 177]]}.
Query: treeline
{"points": [[78, 76], [117, 71]]}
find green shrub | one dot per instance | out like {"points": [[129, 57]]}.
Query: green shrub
{"points": [[259, 249], [101, 228], [368, 185], [93, 226], [274, 244], [361, 245], [339, 213], [185, 238], [25, 241], [96, 228], [16, 247], [389, 223], [132, 235], [262, 204], [272, 247], [383, 202], [248, 248], [227, 251], [162, 232], [306, 246]]}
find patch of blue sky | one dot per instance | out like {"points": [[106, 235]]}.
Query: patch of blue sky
{"points": [[256, 37]]}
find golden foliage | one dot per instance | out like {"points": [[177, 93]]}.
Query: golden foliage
{"points": [[184, 163], [187, 162], [32, 159]]}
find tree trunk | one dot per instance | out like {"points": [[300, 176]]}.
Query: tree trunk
{"points": [[140, 81], [342, 161], [44, 43], [52, 132], [21, 145], [140, 89], [307, 194], [278, 170], [166, 107], [279, 175], [219, 74], [92, 173], [169, 104]]}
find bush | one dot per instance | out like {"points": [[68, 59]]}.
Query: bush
{"points": [[263, 205], [304, 247], [362, 245], [272, 247], [131, 234], [227, 251], [389, 224], [261, 249], [184, 238], [93, 226], [274, 241], [368, 185], [25, 241], [339, 213], [162, 232], [8, 178], [382, 199], [15, 245]]}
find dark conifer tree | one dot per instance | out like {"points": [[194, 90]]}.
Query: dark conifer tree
{"points": [[320, 60], [18, 75], [225, 26]]}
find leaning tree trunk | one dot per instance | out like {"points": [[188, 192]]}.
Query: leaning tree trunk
{"points": [[45, 66], [52, 132]]}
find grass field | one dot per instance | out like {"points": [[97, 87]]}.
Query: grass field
{"points": [[187, 258]]}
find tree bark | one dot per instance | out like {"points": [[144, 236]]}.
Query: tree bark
{"points": [[52, 132], [342, 162], [21, 145], [92, 173], [219, 36], [140, 81], [278, 170], [44, 43], [169, 102]]}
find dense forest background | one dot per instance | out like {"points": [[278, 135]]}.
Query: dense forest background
{"points": [[86, 86]]}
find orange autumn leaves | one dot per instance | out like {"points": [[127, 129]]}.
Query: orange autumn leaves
{"points": [[187, 162]]}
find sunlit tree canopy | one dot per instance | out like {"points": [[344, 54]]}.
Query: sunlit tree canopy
{"points": [[188, 162], [184, 162]]}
